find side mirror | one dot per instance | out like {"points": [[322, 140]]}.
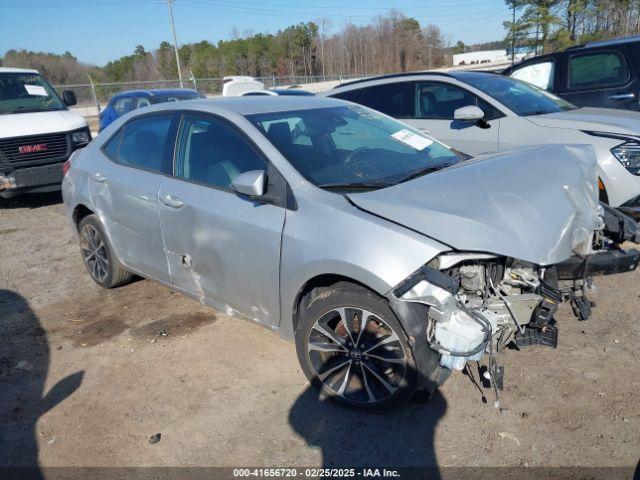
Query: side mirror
{"points": [[470, 113], [249, 183], [69, 98]]}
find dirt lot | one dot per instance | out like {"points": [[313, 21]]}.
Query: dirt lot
{"points": [[87, 376]]}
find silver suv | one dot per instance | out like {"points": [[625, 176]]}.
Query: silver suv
{"points": [[387, 259]]}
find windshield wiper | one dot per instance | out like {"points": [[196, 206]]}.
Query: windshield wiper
{"points": [[421, 172], [354, 186], [28, 110], [538, 112]]}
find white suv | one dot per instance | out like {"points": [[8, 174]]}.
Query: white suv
{"points": [[478, 113], [37, 132]]}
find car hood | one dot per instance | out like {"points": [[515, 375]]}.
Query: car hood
{"points": [[597, 119], [36, 123], [537, 204]]}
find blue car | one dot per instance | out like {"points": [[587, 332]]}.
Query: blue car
{"points": [[124, 102]]}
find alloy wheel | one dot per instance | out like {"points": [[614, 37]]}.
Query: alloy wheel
{"points": [[94, 252], [356, 355]]}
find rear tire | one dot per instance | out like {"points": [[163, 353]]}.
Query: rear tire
{"points": [[359, 364], [99, 259]]}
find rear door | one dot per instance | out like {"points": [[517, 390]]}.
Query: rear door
{"points": [[436, 103], [125, 191], [221, 246], [602, 77]]}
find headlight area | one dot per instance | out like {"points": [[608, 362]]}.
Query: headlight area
{"points": [[627, 152], [80, 138]]}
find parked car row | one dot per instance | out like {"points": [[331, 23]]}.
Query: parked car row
{"points": [[395, 228]]}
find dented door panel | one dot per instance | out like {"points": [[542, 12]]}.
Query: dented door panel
{"points": [[223, 248]]}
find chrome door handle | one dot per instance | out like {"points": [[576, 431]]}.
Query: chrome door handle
{"points": [[171, 201], [623, 96], [99, 177]]}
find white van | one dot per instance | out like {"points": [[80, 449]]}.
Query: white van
{"points": [[38, 133], [236, 85]]}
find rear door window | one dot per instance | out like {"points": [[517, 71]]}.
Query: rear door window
{"points": [[394, 99], [144, 143], [597, 70]]}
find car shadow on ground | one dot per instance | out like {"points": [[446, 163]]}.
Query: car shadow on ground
{"points": [[403, 437], [24, 364], [31, 200]]}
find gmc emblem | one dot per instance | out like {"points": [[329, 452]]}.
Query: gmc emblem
{"points": [[41, 147]]}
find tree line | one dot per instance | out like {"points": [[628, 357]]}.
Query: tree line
{"points": [[388, 43], [551, 25]]}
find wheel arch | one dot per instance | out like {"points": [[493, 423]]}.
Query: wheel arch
{"points": [[320, 281], [80, 211]]}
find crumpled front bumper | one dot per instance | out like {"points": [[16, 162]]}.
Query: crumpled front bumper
{"points": [[608, 262], [631, 208]]}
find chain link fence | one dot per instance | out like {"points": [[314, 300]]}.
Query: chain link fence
{"points": [[94, 96]]}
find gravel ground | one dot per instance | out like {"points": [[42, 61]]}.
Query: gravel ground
{"points": [[87, 376]]}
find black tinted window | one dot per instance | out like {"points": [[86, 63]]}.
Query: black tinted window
{"points": [[142, 143], [213, 152], [597, 70], [438, 100], [349, 95], [394, 99]]}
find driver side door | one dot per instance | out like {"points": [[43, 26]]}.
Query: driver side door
{"points": [[436, 103]]}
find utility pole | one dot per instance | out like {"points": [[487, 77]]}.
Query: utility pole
{"points": [[513, 34], [175, 41]]}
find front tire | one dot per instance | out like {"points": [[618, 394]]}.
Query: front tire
{"points": [[353, 349], [99, 259]]}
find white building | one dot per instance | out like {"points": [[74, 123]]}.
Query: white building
{"points": [[486, 56]]}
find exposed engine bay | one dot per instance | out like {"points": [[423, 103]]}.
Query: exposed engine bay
{"points": [[480, 303]]}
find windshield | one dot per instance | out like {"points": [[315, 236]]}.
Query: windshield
{"points": [[352, 147], [521, 97], [27, 92]]}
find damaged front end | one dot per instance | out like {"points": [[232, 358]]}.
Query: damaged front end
{"points": [[478, 304]]}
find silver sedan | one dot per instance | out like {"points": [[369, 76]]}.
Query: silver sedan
{"points": [[389, 260]]}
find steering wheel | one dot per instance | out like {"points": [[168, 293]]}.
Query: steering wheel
{"points": [[353, 154]]}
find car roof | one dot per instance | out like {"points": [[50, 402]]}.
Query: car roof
{"points": [[392, 75], [154, 91], [463, 76], [291, 91], [604, 43], [252, 104], [17, 70]]}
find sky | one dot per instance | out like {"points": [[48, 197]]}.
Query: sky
{"points": [[96, 31]]}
